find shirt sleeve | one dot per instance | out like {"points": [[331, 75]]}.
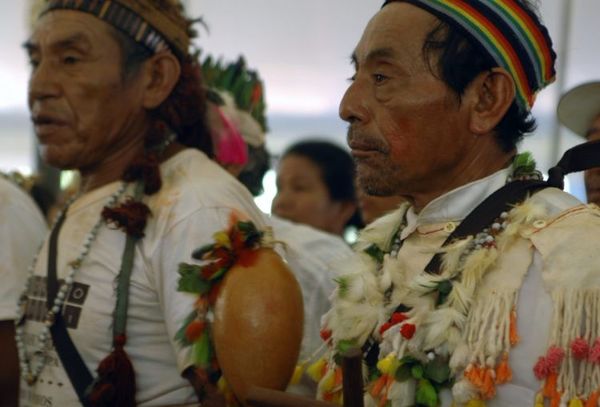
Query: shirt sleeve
{"points": [[22, 229], [176, 247]]}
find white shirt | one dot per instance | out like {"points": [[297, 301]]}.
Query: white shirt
{"points": [[433, 225], [195, 201], [22, 230]]}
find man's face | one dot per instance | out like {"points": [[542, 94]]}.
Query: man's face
{"points": [[407, 128], [82, 109], [592, 176]]}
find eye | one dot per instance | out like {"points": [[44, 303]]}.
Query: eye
{"points": [[70, 60], [33, 63], [379, 78], [352, 78]]}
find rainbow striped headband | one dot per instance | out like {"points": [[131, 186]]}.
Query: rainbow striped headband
{"points": [[513, 37], [142, 20]]}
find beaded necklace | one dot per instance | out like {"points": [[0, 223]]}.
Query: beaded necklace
{"points": [[428, 298], [31, 369]]}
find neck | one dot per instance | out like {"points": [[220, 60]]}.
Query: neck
{"points": [[477, 163], [116, 161]]}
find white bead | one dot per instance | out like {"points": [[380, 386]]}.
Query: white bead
{"points": [[431, 356]]}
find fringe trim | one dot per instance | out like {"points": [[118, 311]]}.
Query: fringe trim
{"points": [[575, 330]]}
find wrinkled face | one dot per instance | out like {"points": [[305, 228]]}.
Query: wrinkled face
{"points": [[303, 197], [592, 177], [406, 126], [80, 105]]}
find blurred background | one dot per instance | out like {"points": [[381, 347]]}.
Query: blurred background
{"points": [[302, 51]]}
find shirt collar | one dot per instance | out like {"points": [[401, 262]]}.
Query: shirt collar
{"points": [[455, 205]]}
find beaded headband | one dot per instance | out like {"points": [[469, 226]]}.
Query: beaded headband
{"points": [[514, 38], [144, 21]]}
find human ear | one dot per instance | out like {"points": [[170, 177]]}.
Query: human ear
{"points": [[492, 92], [162, 72]]}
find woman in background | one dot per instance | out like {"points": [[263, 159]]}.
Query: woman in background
{"points": [[315, 186]]}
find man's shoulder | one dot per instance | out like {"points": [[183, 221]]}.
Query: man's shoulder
{"points": [[15, 200], [567, 239], [192, 176]]}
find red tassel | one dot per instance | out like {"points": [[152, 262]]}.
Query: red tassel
{"points": [[130, 216], [147, 169], [115, 385]]}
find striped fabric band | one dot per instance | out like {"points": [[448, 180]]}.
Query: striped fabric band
{"points": [[514, 37], [146, 26]]}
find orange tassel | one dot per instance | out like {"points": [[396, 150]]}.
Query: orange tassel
{"points": [[338, 377], [550, 386], [593, 400], [555, 401], [513, 335], [503, 371], [378, 386], [475, 376], [488, 387], [115, 385]]}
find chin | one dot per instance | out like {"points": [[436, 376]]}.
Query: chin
{"points": [[56, 158]]}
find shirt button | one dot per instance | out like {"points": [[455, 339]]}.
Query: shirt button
{"points": [[539, 224], [450, 227]]}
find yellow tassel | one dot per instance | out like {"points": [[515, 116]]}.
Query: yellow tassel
{"points": [[328, 382], [475, 403], [222, 239], [315, 371], [298, 372], [539, 400], [222, 385], [575, 402], [389, 364]]}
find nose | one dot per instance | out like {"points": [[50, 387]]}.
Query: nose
{"points": [[43, 83], [280, 202], [352, 107]]}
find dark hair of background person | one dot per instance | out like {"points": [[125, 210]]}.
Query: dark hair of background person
{"points": [[460, 60], [184, 110], [337, 171]]}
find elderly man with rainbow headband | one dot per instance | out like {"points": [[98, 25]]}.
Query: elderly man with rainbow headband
{"points": [[465, 296], [115, 94]]}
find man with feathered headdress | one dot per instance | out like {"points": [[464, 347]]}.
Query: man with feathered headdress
{"points": [[115, 94]]}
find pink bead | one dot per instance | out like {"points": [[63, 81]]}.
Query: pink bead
{"points": [[580, 348], [595, 352], [541, 368], [554, 358]]}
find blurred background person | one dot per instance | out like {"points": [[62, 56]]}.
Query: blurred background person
{"points": [[315, 186], [579, 111], [22, 229], [236, 117]]}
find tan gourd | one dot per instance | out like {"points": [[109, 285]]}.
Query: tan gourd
{"points": [[258, 324]]}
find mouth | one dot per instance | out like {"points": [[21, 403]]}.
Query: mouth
{"points": [[47, 124], [362, 151]]}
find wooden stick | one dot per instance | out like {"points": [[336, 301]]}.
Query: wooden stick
{"points": [[352, 378]]}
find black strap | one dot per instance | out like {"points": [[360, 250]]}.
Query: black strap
{"points": [[578, 158], [77, 371]]}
